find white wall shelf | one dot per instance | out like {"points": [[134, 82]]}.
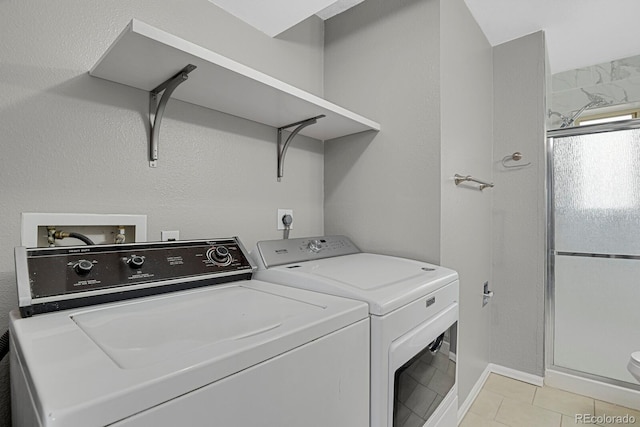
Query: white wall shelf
{"points": [[144, 57]]}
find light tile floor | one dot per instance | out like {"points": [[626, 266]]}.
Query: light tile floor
{"points": [[507, 402]]}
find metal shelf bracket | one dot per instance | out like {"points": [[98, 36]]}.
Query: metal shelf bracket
{"points": [[282, 147], [158, 99]]}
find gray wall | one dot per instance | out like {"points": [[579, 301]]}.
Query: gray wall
{"points": [[74, 143], [382, 60], [519, 205], [424, 70], [466, 99]]}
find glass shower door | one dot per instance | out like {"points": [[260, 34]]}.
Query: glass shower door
{"points": [[595, 252]]}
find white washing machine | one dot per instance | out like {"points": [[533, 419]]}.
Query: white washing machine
{"points": [[178, 333], [414, 313]]}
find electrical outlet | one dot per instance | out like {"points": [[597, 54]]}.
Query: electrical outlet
{"points": [[281, 213], [169, 236]]}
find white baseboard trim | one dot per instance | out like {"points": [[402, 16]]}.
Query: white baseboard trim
{"points": [[594, 389], [475, 390], [517, 375], [500, 370]]}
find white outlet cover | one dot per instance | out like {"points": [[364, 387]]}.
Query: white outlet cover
{"points": [[281, 213], [171, 235]]}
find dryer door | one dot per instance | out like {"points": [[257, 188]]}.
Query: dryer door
{"points": [[422, 377]]}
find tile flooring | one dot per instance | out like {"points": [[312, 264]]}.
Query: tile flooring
{"points": [[507, 402]]}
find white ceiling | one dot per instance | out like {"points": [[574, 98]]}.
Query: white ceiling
{"points": [[337, 8], [272, 17], [579, 33]]}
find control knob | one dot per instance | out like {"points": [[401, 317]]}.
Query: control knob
{"points": [[314, 246], [135, 261], [83, 267], [219, 254]]}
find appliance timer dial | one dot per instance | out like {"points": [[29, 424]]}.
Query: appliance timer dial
{"points": [[219, 254], [83, 267], [314, 246], [135, 261]]}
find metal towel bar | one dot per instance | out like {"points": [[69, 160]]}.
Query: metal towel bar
{"points": [[459, 179]]}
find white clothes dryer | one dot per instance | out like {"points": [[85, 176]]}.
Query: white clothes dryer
{"points": [[414, 313], [178, 333]]}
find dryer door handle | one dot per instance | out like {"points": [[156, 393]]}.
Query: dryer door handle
{"points": [[435, 345]]}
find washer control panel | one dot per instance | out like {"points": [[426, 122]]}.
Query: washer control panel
{"points": [[71, 272], [279, 252]]}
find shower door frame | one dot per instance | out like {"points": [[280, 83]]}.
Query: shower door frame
{"points": [[550, 288]]}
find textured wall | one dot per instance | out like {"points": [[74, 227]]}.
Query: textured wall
{"points": [[382, 60], [519, 205], [466, 100], [74, 143]]}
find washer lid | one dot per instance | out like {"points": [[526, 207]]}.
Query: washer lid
{"points": [[98, 365], [163, 329], [384, 282]]}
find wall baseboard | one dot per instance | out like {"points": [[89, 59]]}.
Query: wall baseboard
{"points": [[500, 370], [594, 389], [517, 375], [463, 408]]}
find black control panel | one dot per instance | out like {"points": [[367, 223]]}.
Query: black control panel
{"points": [[56, 275]]}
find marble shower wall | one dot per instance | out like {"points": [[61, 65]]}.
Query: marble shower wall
{"points": [[615, 83]]}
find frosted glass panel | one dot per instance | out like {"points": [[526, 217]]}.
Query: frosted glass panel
{"points": [[597, 315], [597, 193]]}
